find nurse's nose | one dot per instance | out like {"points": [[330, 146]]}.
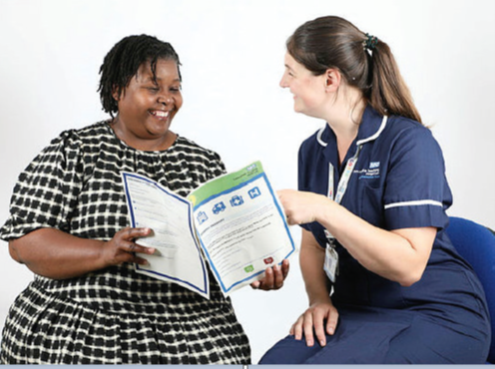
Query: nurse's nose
{"points": [[283, 81]]}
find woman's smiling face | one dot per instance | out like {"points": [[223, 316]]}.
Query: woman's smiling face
{"points": [[147, 106]]}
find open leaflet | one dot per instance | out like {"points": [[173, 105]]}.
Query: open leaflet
{"points": [[234, 221]]}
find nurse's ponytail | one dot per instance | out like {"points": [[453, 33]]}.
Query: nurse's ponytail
{"points": [[389, 93], [364, 61]]}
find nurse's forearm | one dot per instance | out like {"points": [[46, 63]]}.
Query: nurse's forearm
{"points": [[311, 257], [394, 256]]}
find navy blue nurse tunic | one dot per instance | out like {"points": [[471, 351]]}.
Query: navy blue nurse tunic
{"points": [[398, 182]]}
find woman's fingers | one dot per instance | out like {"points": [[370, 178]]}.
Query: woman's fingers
{"points": [[255, 285], [274, 277], [278, 277], [285, 268], [122, 248], [140, 261], [125, 240], [267, 283], [133, 247], [130, 234]]}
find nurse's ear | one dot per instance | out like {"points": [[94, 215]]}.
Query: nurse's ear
{"points": [[333, 80]]}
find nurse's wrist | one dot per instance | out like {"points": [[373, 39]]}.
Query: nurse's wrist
{"points": [[324, 209], [322, 298]]}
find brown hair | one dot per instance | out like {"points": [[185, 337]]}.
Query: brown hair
{"points": [[333, 42]]}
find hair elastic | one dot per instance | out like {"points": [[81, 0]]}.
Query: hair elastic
{"points": [[370, 42]]}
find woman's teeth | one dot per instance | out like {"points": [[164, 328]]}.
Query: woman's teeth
{"points": [[160, 114]]}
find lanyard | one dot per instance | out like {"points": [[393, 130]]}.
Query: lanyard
{"points": [[341, 188], [331, 263], [344, 180]]}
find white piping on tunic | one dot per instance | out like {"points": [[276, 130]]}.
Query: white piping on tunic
{"points": [[371, 138], [413, 203], [360, 142], [318, 137]]}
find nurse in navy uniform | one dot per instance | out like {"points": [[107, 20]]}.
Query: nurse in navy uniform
{"points": [[384, 283]]}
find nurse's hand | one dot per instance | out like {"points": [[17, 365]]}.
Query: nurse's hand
{"points": [[314, 319], [302, 207], [274, 277]]}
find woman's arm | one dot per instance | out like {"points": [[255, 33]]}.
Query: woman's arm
{"points": [[55, 254], [400, 255], [312, 256]]}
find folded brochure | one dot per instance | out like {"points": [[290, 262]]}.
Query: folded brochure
{"points": [[234, 221]]}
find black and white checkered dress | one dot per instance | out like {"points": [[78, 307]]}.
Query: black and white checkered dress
{"points": [[115, 315]]}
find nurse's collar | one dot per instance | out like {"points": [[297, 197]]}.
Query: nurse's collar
{"points": [[377, 133], [360, 142]]}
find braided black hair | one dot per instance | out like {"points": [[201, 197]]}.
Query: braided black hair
{"points": [[123, 61]]}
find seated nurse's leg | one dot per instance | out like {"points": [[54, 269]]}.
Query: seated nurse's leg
{"points": [[290, 351], [429, 342]]}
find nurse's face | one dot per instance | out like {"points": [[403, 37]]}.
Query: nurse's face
{"points": [[308, 89]]}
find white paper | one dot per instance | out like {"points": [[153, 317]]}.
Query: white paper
{"points": [[242, 227], [178, 257]]}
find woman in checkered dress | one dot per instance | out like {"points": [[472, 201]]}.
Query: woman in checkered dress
{"points": [[69, 225]]}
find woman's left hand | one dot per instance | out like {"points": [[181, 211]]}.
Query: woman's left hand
{"points": [[301, 207], [274, 277]]}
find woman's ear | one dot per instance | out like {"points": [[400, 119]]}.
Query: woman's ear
{"points": [[115, 94], [333, 79]]}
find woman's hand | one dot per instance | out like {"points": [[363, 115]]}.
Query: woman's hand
{"points": [[301, 207], [274, 277], [55, 254], [314, 318], [122, 248]]}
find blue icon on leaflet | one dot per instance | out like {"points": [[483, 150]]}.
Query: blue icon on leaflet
{"points": [[236, 200], [202, 217], [218, 208], [255, 192]]}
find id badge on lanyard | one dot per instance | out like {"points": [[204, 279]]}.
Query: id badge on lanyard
{"points": [[331, 264]]}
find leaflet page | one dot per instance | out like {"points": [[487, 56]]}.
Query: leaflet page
{"points": [[178, 257], [241, 226]]}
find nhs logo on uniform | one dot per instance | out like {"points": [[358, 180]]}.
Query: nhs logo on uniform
{"points": [[370, 173]]}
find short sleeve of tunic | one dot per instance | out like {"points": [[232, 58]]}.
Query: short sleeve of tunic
{"points": [[47, 190], [416, 192]]}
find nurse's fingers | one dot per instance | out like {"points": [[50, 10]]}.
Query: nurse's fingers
{"points": [[332, 319], [318, 323], [297, 328], [308, 328]]}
